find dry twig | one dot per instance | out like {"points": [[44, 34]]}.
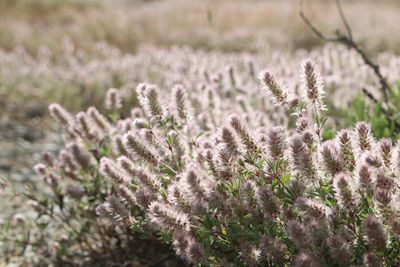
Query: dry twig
{"points": [[347, 40]]}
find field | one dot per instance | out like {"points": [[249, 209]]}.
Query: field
{"points": [[205, 133]]}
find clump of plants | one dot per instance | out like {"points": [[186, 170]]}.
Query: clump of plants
{"points": [[225, 194]]}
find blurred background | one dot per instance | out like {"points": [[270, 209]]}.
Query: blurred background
{"points": [[228, 25], [36, 36], [37, 31]]}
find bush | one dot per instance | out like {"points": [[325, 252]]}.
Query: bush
{"points": [[225, 194]]}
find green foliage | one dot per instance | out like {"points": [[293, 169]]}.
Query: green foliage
{"points": [[381, 124]]}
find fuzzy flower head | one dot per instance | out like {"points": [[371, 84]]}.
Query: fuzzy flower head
{"points": [[298, 233], [149, 99], [276, 142], [312, 83], [243, 133], [275, 90], [363, 138], [330, 158], [168, 218], [181, 102], [113, 209], [345, 193], [375, 233], [113, 99], [111, 170], [60, 114]]}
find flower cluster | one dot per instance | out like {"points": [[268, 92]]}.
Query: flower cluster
{"points": [[230, 189]]}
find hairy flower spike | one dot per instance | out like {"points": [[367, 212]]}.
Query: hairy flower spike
{"points": [[372, 159], [311, 208], [84, 126], [196, 185], [119, 146], [339, 250], [302, 159], [109, 169], [310, 139], [375, 233], [99, 120], [364, 139], [384, 182], [275, 90], [331, 160], [365, 176], [276, 142], [113, 209], [242, 131], [385, 148], [343, 139], [273, 249], [194, 252], [60, 114], [383, 204], [145, 197], [167, 218], [298, 234], [181, 102], [148, 180], [250, 254], [211, 163], [81, 155], [312, 83], [113, 99], [268, 202], [127, 165], [66, 161], [40, 169], [127, 194], [302, 124], [132, 143], [345, 192], [176, 196], [229, 141], [151, 104], [186, 246]]}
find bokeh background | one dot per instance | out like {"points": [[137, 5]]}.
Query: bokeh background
{"points": [[35, 30]]}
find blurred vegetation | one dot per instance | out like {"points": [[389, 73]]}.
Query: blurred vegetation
{"points": [[201, 24]]}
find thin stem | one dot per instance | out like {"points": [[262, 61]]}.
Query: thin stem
{"points": [[344, 19]]}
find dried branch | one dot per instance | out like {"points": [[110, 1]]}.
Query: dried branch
{"points": [[344, 19], [347, 39]]}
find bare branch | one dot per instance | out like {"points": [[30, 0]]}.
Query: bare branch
{"points": [[314, 28], [349, 42], [370, 95], [344, 19]]}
